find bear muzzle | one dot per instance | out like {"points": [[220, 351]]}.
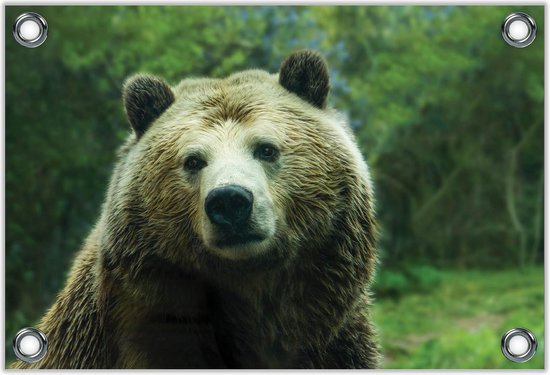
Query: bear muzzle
{"points": [[229, 207]]}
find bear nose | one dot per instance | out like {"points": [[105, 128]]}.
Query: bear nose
{"points": [[229, 206]]}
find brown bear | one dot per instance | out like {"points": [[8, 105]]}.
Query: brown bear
{"points": [[238, 231]]}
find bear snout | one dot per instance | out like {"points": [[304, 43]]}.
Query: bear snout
{"points": [[229, 207]]}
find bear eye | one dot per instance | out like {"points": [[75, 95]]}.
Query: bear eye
{"points": [[194, 164], [266, 152]]}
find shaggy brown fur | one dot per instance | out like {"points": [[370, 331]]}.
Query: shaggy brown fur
{"points": [[146, 292]]}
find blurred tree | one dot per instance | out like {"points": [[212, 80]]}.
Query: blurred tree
{"points": [[452, 123]]}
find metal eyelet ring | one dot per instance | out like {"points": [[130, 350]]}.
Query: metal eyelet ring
{"points": [[519, 345], [30, 345], [519, 30], [30, 30]]}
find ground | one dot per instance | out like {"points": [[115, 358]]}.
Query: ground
{"points": [[460, 322]]}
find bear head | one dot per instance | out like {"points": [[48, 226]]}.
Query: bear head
{"points": [[237, 176]]}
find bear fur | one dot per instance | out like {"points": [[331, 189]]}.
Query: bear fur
{"points": [[158, 285]]}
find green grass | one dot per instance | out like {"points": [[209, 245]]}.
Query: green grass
{"points": [[459, 323]]}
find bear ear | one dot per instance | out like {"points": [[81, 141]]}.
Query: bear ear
{"points": [[145, 98], [305, 73]]}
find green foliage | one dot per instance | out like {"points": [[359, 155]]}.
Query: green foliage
{"points": [[391, 283], [451, 120], [459, 324], [394, 283], [425, 277]]}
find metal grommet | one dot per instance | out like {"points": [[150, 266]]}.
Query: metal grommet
{"points": [[30, 345], [30, 30], [519, 345], [519, 30]]}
